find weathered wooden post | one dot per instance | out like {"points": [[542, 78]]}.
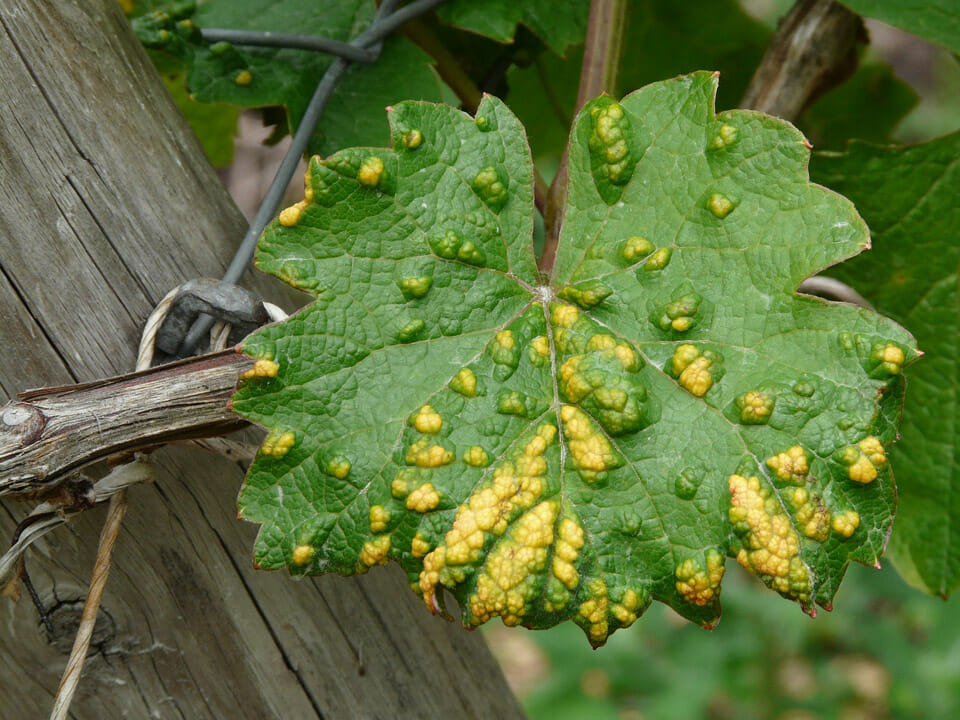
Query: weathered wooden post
{"points": [[106, 203]]}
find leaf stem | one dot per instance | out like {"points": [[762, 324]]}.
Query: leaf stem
{"points": [[598, 74]]}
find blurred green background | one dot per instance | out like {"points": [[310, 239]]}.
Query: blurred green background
{"points": [[886, 651]]}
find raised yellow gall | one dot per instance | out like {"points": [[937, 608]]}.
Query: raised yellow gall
{"points": [[864, 459], [375, 551], [370, 172], [425, 455], [465, 383], [720, 205], [427, 420], [379, 518], [635, 248], [419, 547], [846, 523], [261, 369], [423, 499], [276, 445], [698, 580], [790, 466], [291, 215], [476, 456], [243, 78], [770, 546], [303, 554]]}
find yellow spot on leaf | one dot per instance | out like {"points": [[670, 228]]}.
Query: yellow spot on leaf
{"points": [[770, 546], [371, 170], [541, 346], [379, 518], [693, 369], [244, 77], [427, 420], [261, 369], [419, 547], [790, 466], [635, 248], [725, 137], [303, 554], [412, 139], [291, 215], [465, 383], [338, 467], [890, 357], [846, 523], [505, 339], [720, 205], [755, 407], [659, 260], [564, 316], [277, 445], [864, 459], [376, 551], [423, 499], [594, 610], [425, 455], [476, 456], [590, 450], [698, 581], [509, 579], [515, 486]]}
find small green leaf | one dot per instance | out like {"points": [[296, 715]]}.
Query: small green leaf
{"points": [[909, 197], [559, 23], [559, 451], [936, 20], [263, 76]]}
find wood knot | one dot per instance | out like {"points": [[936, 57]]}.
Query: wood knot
{"points": [[64, 618], [20, 425]]}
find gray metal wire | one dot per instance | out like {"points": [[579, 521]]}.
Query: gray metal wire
{"points": [[385, 22], [288, 40]]}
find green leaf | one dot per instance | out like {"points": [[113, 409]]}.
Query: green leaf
{"points": [[663, 38], [868, 106], [909, 198], [559, 23], [263, 77], [566, 451], [936, 20], [215, 125]]}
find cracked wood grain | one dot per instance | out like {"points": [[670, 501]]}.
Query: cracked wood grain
{"points": [[106, 203]]}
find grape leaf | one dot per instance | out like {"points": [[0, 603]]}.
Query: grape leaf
{"points": [[263, 76], [575, 449], [868, 106], [663, 38], [936, 20], [558, 23], [909, 198]]}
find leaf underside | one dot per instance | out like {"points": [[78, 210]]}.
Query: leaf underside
{"points": [[572, 451]]}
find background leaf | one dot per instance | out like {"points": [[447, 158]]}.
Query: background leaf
{"points": [[559, 23], [263, 77], [937, 20], [909, 198], [569, 452]]}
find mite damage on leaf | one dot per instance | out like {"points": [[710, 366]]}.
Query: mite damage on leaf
{"points": [[573, 448]]}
